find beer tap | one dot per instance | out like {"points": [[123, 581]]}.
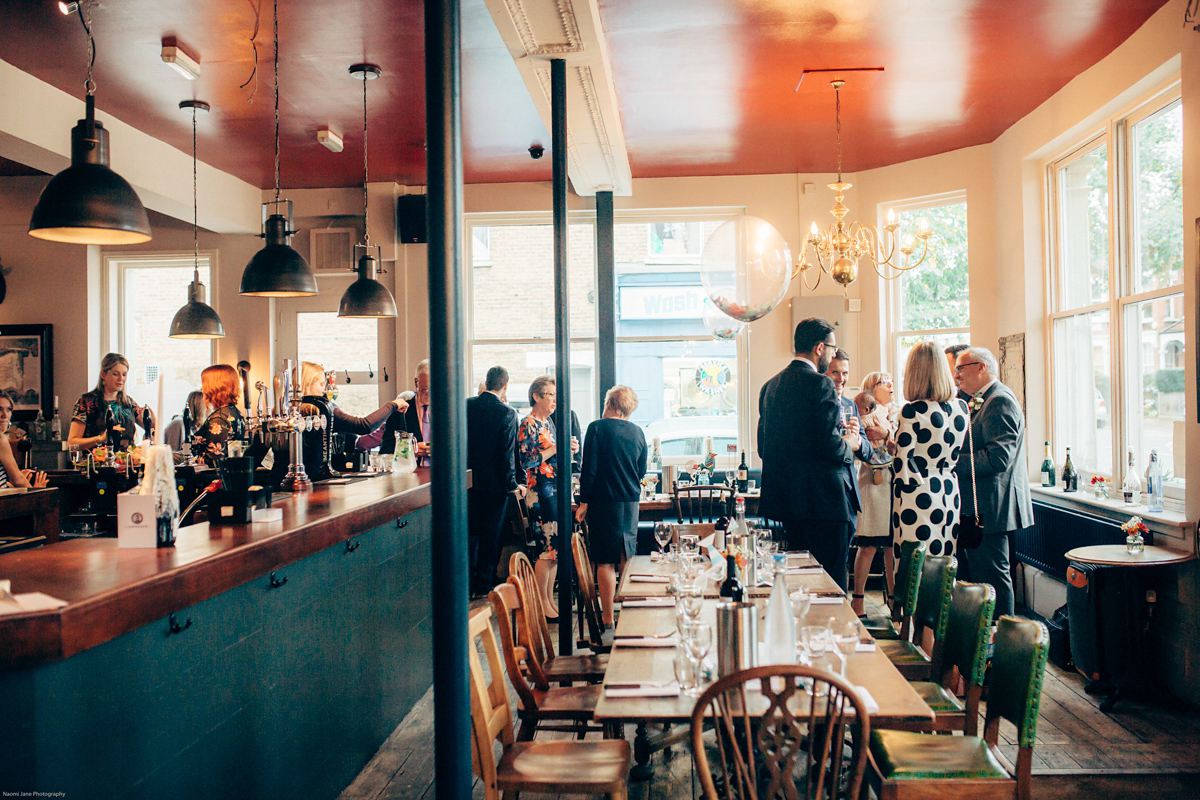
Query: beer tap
{"points": [[297, 479]]}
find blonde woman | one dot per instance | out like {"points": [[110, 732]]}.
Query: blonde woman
{"points": [[610, 485], [875, 483], [312, 383], [106, 407], [932, 431]]}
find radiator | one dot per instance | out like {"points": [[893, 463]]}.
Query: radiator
{"points": [[1057, 530]]}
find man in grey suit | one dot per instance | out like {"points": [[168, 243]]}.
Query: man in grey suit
{"points": [[998, 427]]}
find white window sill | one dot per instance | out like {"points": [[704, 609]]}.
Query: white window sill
{"points": [[1171, 524]]}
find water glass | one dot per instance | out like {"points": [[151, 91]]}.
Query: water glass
{"points": [[815, 640], [845, 637], [689, 543], [691, 597], [685, 673]]}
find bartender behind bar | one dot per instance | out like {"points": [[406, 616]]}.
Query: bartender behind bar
{"points": [[106, 414]]}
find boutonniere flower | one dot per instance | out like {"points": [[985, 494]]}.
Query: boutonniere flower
{"points": [[976, 403]]}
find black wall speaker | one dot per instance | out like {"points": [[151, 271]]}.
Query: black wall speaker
{"points": [[410, 219]]}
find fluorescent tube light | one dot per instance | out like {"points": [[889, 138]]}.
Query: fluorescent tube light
{"points": [[181, 62]]}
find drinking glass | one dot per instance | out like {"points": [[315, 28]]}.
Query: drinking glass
{"points": [[684, 672], [689, 543], [690, 566], [845, 637], [662, 535], [813, 638], [691, 597], [730, 476], [697, 638]]}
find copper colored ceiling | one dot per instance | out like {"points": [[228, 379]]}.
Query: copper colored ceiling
{"points": [[705, 86]]}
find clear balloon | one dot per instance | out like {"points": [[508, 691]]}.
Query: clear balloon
{"points": [[718, 323], [746, 268]]}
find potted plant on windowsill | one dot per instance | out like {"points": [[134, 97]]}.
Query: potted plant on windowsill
{"points": [[1100, 487]]}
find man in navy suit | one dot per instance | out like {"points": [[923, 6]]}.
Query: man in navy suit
{"points": [[491, 449], [807, 452]]}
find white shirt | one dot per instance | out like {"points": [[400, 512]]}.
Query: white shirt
{"points": [[807, 359], [987, 386]]}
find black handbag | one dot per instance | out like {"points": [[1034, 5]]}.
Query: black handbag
{"points": [[970, 528]]}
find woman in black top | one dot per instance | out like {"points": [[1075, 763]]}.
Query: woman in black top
{"points": [[312, 383], [224, 422], [614, 462]]}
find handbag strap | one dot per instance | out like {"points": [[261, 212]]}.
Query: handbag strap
{"points": [[971, 453]]}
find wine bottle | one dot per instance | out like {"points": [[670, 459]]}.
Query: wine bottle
{"points": [[55, 424], [1154, 483], [731, 587], [1048, 469], [1070, 478], [743, 475], [1131, 487], [148, 424], [39, 427]]}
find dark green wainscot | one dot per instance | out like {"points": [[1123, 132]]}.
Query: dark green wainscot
{"points": [[283, 687]]}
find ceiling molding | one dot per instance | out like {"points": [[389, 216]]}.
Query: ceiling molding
{"points": [[536, 31]]}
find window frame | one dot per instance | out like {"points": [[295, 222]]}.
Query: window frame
{"points": [[1116, 133]]}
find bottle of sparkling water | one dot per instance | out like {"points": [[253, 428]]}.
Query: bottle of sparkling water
{"points": [[1154, 483]]}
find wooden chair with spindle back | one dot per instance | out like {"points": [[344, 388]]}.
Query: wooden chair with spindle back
{"points": [[785, 738], [562, 766], [702, 503]]}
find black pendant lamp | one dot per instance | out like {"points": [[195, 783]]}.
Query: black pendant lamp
{"points": [[278, 270], [366, 297], [88, 203], [197, 319]]}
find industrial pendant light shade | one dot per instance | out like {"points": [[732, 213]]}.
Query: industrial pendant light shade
{"points": [[196, 320], [277, 270], [88, 203], [367, 297]]}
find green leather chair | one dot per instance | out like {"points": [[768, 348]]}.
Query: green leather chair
{"points": [[904, 598], [933, 609], [963, 655], [904, 764]]}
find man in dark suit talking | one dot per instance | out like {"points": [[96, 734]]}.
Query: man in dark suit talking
{"points": [[805, 450], [491, 449]]}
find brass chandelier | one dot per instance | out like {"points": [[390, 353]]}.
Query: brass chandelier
{"points": [[838, 249]]}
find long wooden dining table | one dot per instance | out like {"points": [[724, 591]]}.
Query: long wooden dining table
{"points": [[898, 705]]}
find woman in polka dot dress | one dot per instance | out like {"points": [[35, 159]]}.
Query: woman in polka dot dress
{"points": [[931, 433]]}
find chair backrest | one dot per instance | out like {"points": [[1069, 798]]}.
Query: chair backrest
{"points": [[1015, 680], [589, 598], [537, 638], [702, 503], [520, 520], [782, 739], [934, 594], [506, 605], [964, 649], [491, 717], [908, 579], [701, 529]]}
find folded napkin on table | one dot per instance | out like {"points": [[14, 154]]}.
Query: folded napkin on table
{"points": [[825, 600], [869, 704], [815, 569], [865, 647], [648, 602], [642, 690], [649, 578], [644, 641]]}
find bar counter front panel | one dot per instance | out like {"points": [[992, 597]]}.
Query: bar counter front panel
{"points": [[309, 640]]}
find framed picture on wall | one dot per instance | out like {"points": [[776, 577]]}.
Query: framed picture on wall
{"points": [[1012, 365], [27, 369]]}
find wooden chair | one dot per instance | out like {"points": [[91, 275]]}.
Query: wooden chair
{"points": [[904, 601], [591, 617], [701, 503], [539, 706], [775, 741], [933, 608], [963, 656], [701, 529], [562, 766], [533, 635], [917, 765]]}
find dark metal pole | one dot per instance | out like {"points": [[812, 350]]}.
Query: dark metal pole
{"points": [[562, 355], [606, 293], [443, 131]]}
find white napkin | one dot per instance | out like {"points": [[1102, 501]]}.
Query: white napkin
{"points": [[865, 647], [869, 704], [31, 601], [819, 600], [645, 641], [649, 602], [798, 555], [668, 690], [815, 569], [649, 579]]}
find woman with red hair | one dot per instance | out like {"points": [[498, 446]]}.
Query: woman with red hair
{"points": [[220, 386]]}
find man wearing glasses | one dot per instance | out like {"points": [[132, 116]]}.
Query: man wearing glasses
{"points": [[805, 449], [998, 428]]}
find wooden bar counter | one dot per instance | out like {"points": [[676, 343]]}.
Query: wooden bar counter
{"points": [[263, 660]]}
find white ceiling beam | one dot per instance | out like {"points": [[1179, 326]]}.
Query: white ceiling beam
{"points": [[35, 130], [536, 31]]}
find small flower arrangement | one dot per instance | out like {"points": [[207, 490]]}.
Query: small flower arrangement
{"points": [[1135, 532], [1100, 486]]}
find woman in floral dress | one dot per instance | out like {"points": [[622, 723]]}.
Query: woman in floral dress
{"points": [[538, 455], [225, 423]]}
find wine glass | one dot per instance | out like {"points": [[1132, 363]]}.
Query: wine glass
{"points": [[697, 638], [685, 674], [845, 638], [691, 596], [730, 475], [662, 535]]}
